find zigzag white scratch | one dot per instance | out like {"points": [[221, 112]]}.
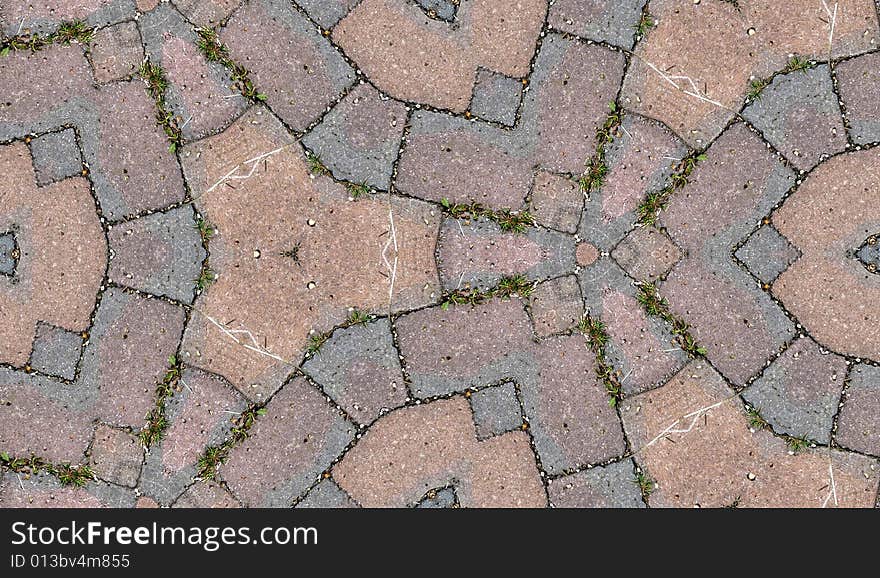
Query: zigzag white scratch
{"points": [[695, 415]]}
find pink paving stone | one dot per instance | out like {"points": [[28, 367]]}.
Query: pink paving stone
{"points": [[434, 63], [116, 52], [297, 439], [206, 495], [832, 213], [207, 103], [646, 357], [131, 341], [857, 426], [339, 262], [134, 153], [470, 250], [647, 254], [718, 461], [413, 450], [116, 456], [859, 84], [556, 306], [799, 393], [63, 254], [203, 408], [639, 160], [206, 12], [146, 5], [738, 183], [557, 202], [29, 409], [314, 73], [586, 254], [145, 502], [710, 44]]}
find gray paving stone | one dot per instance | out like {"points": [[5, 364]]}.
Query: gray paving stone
{"points": [[56, 351], [8, 254], [327, 495], [56, 156], [438, 499], [496, 410], [612, 21], [767, 254], [496, 97], [611, 486]]}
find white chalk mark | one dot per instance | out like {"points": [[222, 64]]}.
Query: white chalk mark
{"points": [[254, 162], [253, 346], [192, 116], [833, 492], [693, 91], [832, 23], [392, 266]]}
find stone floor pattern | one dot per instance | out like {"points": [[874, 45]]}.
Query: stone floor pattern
{"points": [[439, 253]]}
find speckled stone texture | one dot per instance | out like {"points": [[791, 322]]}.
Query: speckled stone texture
{"points": [[44, 491], [496, 97], [647, 254], [326, 494], [826, 218], [260, 287], [859, 84], [556, 202], [359, 368], [287, 448], [798, 393], [496, 410], [435, 444], [206, 13], [556, 305], [56, 351], [693, 439], [116, 52], [612, 21], [160, 254], [359, 139], [767, 254], [799, 115], [116, 456], [315, 74], [738, 324], [611, 486], [56, 156], [857, 426], [432, 63]]}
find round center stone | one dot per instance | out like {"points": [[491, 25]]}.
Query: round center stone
{"points": [[586, 254]]}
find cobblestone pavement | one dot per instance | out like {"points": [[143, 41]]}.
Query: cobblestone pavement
{"points": [[439, 253]]}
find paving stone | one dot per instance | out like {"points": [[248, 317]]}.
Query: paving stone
{"points": [[647, 254], [857, 426], [496, 97], [440, 9], [798, 394], [438, 65], [127, 354], [206, 495], [359, 368], [116, 456], [415, 449], [287, 449], [640, 161], [585, 254], [767, 254], [452, 158], [463, 347], [611, 486], [44, 491], [314, 74], [479, 254], [43, 16], [869, 254], [557, 202], [145, 502], [439, 499], [9, 254], [116, 52], [859, 84], [717, 461], [496, 410], [828, 217], [358, 140], [556, 306], [161, 254], [56, 281], [201, 415], [56, 156], [640, 347], [338, 262], [799, 114], [206, 13], [199, 93], [609, 21], [56, 351], [327, 495], [709, 43], [730, 191], [327, 12], [30, 406]]}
